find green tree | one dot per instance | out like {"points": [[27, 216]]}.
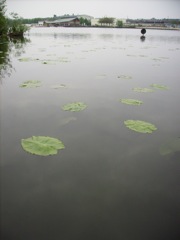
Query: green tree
{"points": [[85, 21], [106, 20], [119, 24], [16, 26], [3, 22]]}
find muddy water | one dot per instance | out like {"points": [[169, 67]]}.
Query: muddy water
{"points": [[109, 182]]}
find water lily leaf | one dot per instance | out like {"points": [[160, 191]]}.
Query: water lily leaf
{"points": [[31, 84], [170, 147], [75, 107], [144, 90], [131, 101], [124, 77], [43, 146], [140, 126], [101, 76], [161, 87], [27, 59], [58, 86]]}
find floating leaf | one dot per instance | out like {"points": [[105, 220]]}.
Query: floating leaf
{"points": [[161, 87], [144, 90], [41, 145], [124, 77], [140, 126], [58, 86], [31, 84], [28, 59], [101, 76], [25, 59], [131, 101], [170, 147], [75, 107]]}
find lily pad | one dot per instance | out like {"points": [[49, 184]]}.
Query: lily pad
{"points": [[31, 84], [27, 59], [101, 76], [74, 107], [131, 101], [170, 147], [41, 145], [144, 90], [58, 86], [140, 126], [161, 87], [124, 77]]}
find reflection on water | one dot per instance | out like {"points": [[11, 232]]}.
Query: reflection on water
{"points": [[10, 46], [109, 182], [5, 65]]}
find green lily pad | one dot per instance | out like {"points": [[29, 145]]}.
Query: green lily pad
{"points": [[101, 76], [140, 126], [161, 87], [131, 101], [27, 59], [43, 146], [144, 90], [74, 107], [124, 77], [31, 84], [58, 86], [170, 147]]}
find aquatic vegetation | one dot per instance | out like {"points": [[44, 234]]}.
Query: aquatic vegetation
{"points": [[31, 84], [74, 107], [124, 77], [26, 59], [161, 87], [144, 90], [131, 101], [41, 145], [156, 59], [58, 86], [131, 55], [101, 76], [170, 147], [140, 126]]}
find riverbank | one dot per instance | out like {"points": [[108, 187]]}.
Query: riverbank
{"points": [[125, 27]]}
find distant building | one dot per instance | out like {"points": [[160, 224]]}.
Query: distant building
{"points": [[40, 23], [85, 16], [146, 22], [63, 22]]}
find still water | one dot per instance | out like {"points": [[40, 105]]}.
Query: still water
{"points": [[109, 183]]}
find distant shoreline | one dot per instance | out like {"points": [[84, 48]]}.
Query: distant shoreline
{"points": [[128, 27]]}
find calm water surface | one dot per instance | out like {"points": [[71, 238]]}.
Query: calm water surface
{"points": [[109, 183]]}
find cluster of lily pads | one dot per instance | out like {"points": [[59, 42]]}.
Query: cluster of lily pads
{"points": [[44, 145], [137, 125], [45, 61]]}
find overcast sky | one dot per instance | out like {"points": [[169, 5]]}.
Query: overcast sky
{"points": [[96, 8]]}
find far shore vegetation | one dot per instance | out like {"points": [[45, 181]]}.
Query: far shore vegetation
{"points": [[15, 26]]}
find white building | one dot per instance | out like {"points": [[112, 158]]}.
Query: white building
{"points": [[40, 23]]}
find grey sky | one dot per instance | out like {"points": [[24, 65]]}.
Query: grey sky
{"points": [[96, 8]]}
